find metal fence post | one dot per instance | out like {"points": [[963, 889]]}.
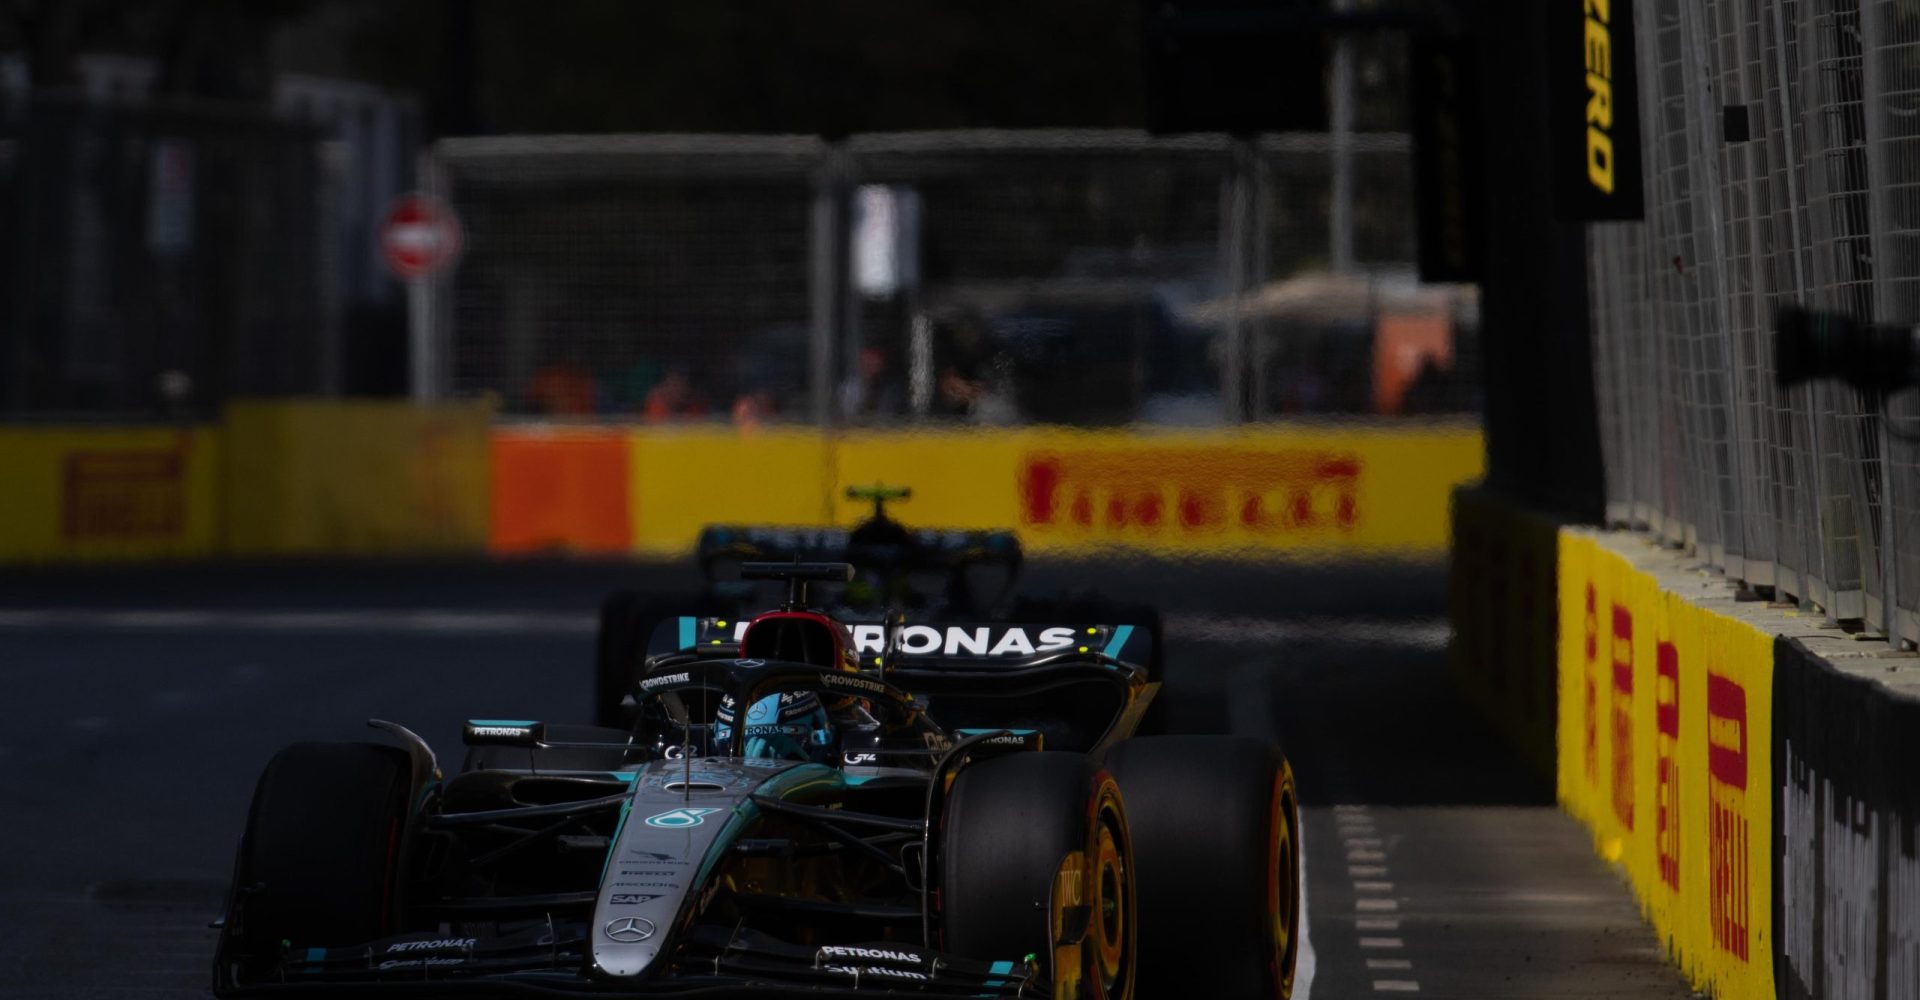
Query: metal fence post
{"points": [[1340, 119], [1886, 306], [827, 270], [1236, 237]]}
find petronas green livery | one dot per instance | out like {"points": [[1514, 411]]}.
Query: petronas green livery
{"points": [[793, 810]]}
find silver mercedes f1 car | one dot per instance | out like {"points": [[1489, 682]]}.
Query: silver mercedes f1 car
{"points": [[797, 809]]}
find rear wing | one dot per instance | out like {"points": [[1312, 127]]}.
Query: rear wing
{"points": [[974, 646], [937, 548]]}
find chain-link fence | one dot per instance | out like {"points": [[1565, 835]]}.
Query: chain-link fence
{"points": [[1076, 277], [1782, 154], [158, 259]]}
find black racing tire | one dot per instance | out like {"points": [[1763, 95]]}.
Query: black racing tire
{"points": [[1216, 835], [1090, 608], [319, 860], [1008, 825]]}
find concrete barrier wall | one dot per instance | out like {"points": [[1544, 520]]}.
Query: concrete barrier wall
{"points": [[1847, 840], [1747, 768]]}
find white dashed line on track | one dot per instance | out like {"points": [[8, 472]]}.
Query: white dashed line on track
{"points": [[1372, 895]]}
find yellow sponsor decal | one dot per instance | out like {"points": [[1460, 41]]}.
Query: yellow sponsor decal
{"points": [[107, 494], [1598, 48], [1665, 724], [1309, 492]]}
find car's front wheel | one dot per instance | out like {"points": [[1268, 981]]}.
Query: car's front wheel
{"points": [[1216, 841], [1036, 853], [320, 858]]}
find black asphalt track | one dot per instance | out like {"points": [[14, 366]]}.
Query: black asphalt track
{"points": [[140, 703]]}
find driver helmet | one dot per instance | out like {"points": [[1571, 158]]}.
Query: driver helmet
{"points": [[779, 726]]}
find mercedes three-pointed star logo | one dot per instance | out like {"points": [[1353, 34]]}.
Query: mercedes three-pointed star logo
{"points": [[629, 930]]}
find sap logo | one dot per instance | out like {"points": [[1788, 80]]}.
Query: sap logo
{"points": [[630, 899]]}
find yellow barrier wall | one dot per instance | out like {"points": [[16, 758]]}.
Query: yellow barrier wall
{"points": [[80, 493], [341, 477], [1308, 492], [1664, 737], [685, 478]]}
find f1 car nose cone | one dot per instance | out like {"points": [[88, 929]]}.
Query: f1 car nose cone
{"points": [[629, 930]]}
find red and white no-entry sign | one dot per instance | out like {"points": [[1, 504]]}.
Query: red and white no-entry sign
{"points": [[419, 237]]}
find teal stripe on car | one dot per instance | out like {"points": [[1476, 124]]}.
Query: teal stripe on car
{"points": [[688, 634], [1120, 636]]}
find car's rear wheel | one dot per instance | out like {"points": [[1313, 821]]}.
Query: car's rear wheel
{"points": [[1035, 848], [320, 858], [1216, 835]]}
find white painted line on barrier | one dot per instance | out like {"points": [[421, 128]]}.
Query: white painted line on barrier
{"points": [[1388, 964], [1366, 856], [1366, 871], [1370, 905], [1373, 886], [1363, 841], [1382, 942], [1376, 923], [1396, 986]]}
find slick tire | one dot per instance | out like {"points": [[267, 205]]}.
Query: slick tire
{"points": [[1009, 825], [1216, 845], [321, 850]]}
